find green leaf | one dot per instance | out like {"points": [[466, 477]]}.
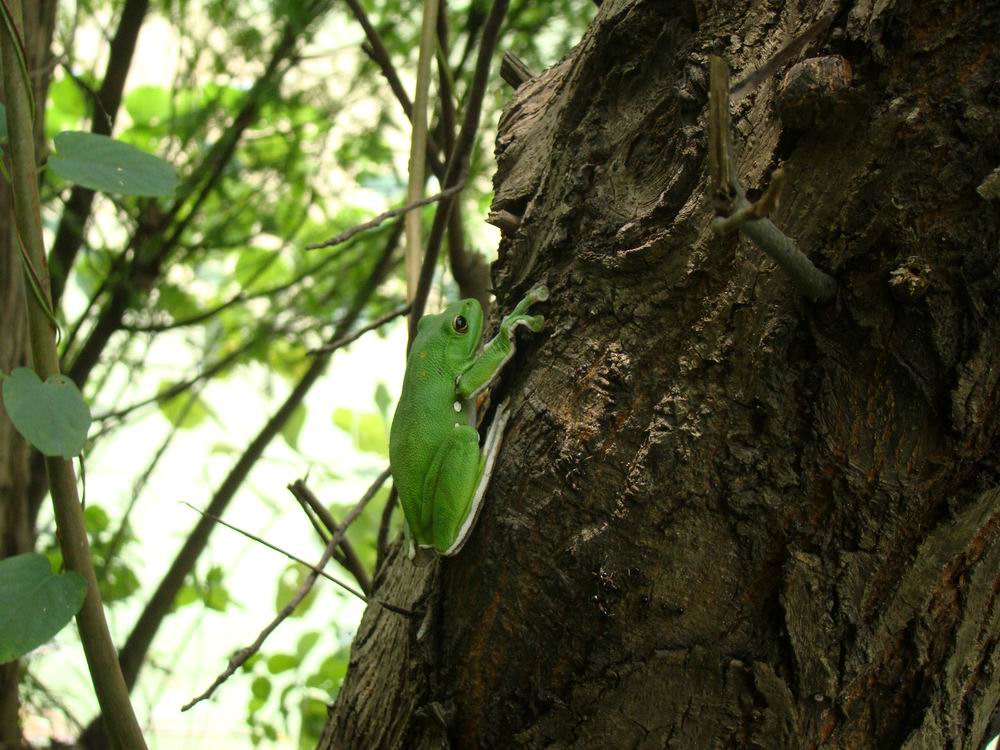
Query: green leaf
{"points": [[52, 416], [66, 107], [102, 163], [35, 603], [254, 705], [293, 427], [313, 721], [187, 595], [176, 302], [330, 672], [289, 583], [278, 663], [261, 688], [305, 644], [367, 430], [118, 583], [180, 413], [148, 105], [3, 124], [382, 400], [95, 518], [214, 593], [257, 267]]}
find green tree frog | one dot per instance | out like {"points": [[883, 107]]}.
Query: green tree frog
{"points": [[437, 465]]}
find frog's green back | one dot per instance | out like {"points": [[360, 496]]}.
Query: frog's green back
{"points": [[425, 414]]}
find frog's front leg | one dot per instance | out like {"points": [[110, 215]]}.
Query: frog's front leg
{"points": [[500, 349]]}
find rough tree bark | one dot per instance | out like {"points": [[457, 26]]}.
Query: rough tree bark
{"points": [[16, 534], [724, 517]]}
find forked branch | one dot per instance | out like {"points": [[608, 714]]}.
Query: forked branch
{"points": [[736, 212], [315, 571]]}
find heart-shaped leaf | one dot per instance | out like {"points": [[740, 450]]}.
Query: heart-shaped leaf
{"points": [[52, 416], [102, 163], [35, 603]]}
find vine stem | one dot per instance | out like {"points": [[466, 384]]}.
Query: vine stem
{"points": [[418, 146], [102, 659]]}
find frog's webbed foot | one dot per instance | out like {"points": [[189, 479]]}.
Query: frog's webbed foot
{"points": [[537, 293], [422, 556], [519, 316], [414, 553]]}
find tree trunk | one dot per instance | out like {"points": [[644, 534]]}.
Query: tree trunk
{"points": [[16, 534], [725, 517]]}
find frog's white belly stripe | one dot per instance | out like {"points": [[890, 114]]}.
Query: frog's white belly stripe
{"points": [[490, 449]]}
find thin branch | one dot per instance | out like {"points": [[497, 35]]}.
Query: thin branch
{"points": [[52, 698], [811, 282], [720, 146], [473, 23], [178, 388], [383, 217], [321, 532], [375, 49], [468, 267], [351, 338], [239, 298], [418, 144], [459, 159], [118, 537], [194, 319], [753, 211], [382, 545], [737, 212], [133, 652], [107, 101], [513, 70], [241, 656], [350, 561], [317, 569], [324, 538], [446, 84]]}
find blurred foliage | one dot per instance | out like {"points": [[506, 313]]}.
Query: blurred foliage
{"points": [[295, 688], [324, 148]]}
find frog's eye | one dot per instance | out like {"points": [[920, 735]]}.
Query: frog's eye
{"points": [[460, 324]]}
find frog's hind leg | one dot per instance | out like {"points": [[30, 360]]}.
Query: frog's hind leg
{"points": [[489, 453], [452, 486]]}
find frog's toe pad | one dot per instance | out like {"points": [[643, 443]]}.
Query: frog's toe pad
{"points": [[535, 322], [539, 293]]}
